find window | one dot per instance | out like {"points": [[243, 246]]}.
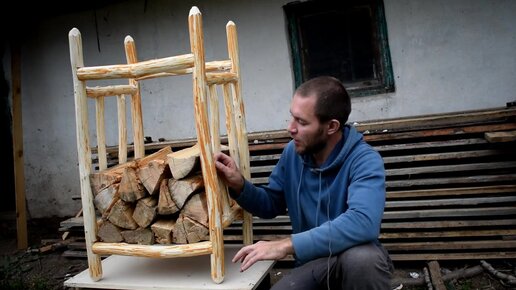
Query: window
{"points": [[344, 39]]}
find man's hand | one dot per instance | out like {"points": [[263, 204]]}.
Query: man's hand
{"points": [[273, 250], [229, 172]]}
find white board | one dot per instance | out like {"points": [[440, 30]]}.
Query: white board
{"points": [[127, 272]]}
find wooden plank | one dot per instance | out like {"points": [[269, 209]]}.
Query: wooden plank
{"points": [[467, 180], [454, 168], [430, 144], [262, 147], [283, 224], [478, 190], [454, 256], [427, 182], [439, 132], [446, 156], [19, 174], [477, 212], [461, 202], [437, 120], [435, 275], [450, 245], [447, 224], [448, 234], [271, 157], [505, 136], [262, 169]]}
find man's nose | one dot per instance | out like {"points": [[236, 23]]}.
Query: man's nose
{"points": [[291, 128]]}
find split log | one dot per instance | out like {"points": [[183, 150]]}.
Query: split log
{"points": [[110, 233], [166, 204], [101, 180], [152, 174], [163, 231], [122, 215], [188, 231], [196, 208], [159, 155], [113, 174], [106, 198], [182, 189], [131, 189], [185, 162], [139, 236], [145, 211]]}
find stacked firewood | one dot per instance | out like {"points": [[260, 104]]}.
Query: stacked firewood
{"points": [[156, 199]]}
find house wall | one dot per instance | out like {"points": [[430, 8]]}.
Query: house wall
{"points": [[446, 55]]}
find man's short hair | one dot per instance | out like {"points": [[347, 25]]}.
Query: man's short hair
{"points": [[333, 101]]}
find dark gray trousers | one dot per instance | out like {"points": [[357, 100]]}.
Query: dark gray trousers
{"points": [[362, 267]]}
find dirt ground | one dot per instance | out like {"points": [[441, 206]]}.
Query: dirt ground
{"points": [[33, 270]]}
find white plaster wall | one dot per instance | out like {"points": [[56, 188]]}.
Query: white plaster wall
{"points": [[447, 56]]}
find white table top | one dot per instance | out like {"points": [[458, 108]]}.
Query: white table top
{"points": [[127, 272]]}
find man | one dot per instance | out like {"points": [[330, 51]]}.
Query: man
{"points": [[333, 185]]}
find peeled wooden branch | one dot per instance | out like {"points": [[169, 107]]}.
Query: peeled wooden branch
{"points": [[463, 273], [427, 279], [457, 274], [509, 279]]}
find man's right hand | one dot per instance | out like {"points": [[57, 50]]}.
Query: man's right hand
{"points": [[229, 172]]}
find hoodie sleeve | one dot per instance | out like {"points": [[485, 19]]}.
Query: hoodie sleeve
{"points": [[265, 201], [360, 223]]}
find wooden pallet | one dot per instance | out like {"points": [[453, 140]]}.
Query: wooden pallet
{"points": [[451, 185]]}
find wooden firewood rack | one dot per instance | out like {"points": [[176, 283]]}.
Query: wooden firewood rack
{"points": [[206, 76]]}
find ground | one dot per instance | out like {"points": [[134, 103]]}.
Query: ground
{"points": [[33, 270]]}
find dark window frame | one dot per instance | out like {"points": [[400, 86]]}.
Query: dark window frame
{"points": [[382, 80]]}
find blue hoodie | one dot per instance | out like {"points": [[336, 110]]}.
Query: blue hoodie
{"points": [[332, 207]]}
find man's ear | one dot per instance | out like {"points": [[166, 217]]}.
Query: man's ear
{"points": [[333, 126]]}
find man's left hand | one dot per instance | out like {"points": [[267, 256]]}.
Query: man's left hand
{"points": [[273, 250]]}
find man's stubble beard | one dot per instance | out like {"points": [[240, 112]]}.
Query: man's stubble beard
{"points": [[316, 144]]}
